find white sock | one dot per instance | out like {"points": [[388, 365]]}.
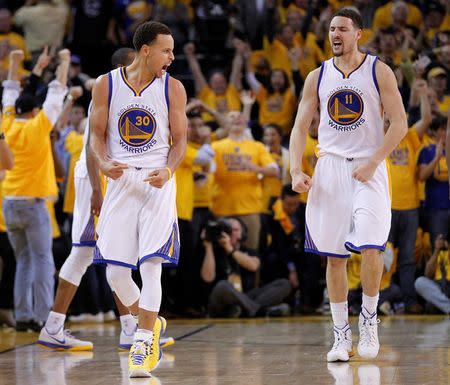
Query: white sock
{"points": [[55, 322], [339, 312], [370, 304], [128, 323], [143, 335]]}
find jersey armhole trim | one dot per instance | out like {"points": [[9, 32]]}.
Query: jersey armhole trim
{"points": [[320, 78], [166, 90], [374, 74], [110, 85]]}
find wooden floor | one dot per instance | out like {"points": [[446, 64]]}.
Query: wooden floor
{"points": [[415, 350]]}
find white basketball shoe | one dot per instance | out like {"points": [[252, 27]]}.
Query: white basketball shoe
{"points": [[62, 340], [342, 348], [368, 345]]}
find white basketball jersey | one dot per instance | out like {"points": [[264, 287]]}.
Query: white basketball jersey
{"points": [[80, 166], [138, 124], [351, 121]]}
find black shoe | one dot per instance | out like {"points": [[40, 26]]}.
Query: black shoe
{"points": [[281, 310], [26, 326]]}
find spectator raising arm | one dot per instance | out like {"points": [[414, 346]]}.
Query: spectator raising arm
{"points": [[11, 90], [199, 79], [57, 88], [421, 88], [63, 120]]}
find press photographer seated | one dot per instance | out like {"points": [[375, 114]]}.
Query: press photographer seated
{"points": [[230, 270]]}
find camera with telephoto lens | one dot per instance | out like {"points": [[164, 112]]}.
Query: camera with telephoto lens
{"points": [[215, 228]]}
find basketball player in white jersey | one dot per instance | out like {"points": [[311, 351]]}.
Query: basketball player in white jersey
{"points": [[138, 135], [88, 200], [349, 208]]}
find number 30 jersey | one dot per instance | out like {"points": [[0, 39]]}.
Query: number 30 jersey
{"points": [[138, 125], [351, 116]]}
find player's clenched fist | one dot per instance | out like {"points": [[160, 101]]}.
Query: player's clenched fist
{"points": [[364, 172], [113, 169], [301, 182], [157, 178]]}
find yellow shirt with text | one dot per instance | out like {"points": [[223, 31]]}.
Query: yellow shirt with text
{"points": [[277, 108], [229, 101], [185, 184], [403, 170], [237, 190]]}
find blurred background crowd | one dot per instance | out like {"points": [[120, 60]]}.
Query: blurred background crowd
{"points": [[243, 64]]}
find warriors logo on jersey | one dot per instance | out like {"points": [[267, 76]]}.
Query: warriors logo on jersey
{"points": [[345, 108], [137, 127]]}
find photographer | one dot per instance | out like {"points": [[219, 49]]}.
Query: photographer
{"points": [[229, 268], [435, 285]]}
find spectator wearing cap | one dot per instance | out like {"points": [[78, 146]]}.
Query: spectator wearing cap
{"points": [[25, 189], [437, 80], [43, 24]]}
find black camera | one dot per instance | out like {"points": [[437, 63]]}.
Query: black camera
{"points": [[215, 228]]}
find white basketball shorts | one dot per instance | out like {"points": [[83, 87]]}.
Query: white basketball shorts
{"points": [[344, 215], [137, 221], [83, 228]]}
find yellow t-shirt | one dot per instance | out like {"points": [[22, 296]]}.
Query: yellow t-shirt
{"points": [[185, 184], [272, 186], [203, 188], [238, 191], [276, 108], [33, 174], [444, 105], [383, 16], [313, 56], [309, 161], [229, 101], [403, 170], [443, 258], [74, 146]]}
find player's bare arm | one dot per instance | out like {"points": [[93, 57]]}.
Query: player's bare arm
{"points": [[308, 104], [99, 122], [94, 179], [393, 106], [178, 131]]}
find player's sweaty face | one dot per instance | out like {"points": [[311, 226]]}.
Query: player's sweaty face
{"points": [[160, 55], [343, 35]]}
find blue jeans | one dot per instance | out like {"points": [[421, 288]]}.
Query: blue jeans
{"points": [[30, 234], [403, 233], [432, 292]]}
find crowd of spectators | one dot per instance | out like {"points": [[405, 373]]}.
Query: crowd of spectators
{"points": [[242, 228]]}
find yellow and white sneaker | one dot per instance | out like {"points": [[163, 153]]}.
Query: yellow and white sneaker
{"points": [[62, 340], [145, 353]]}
